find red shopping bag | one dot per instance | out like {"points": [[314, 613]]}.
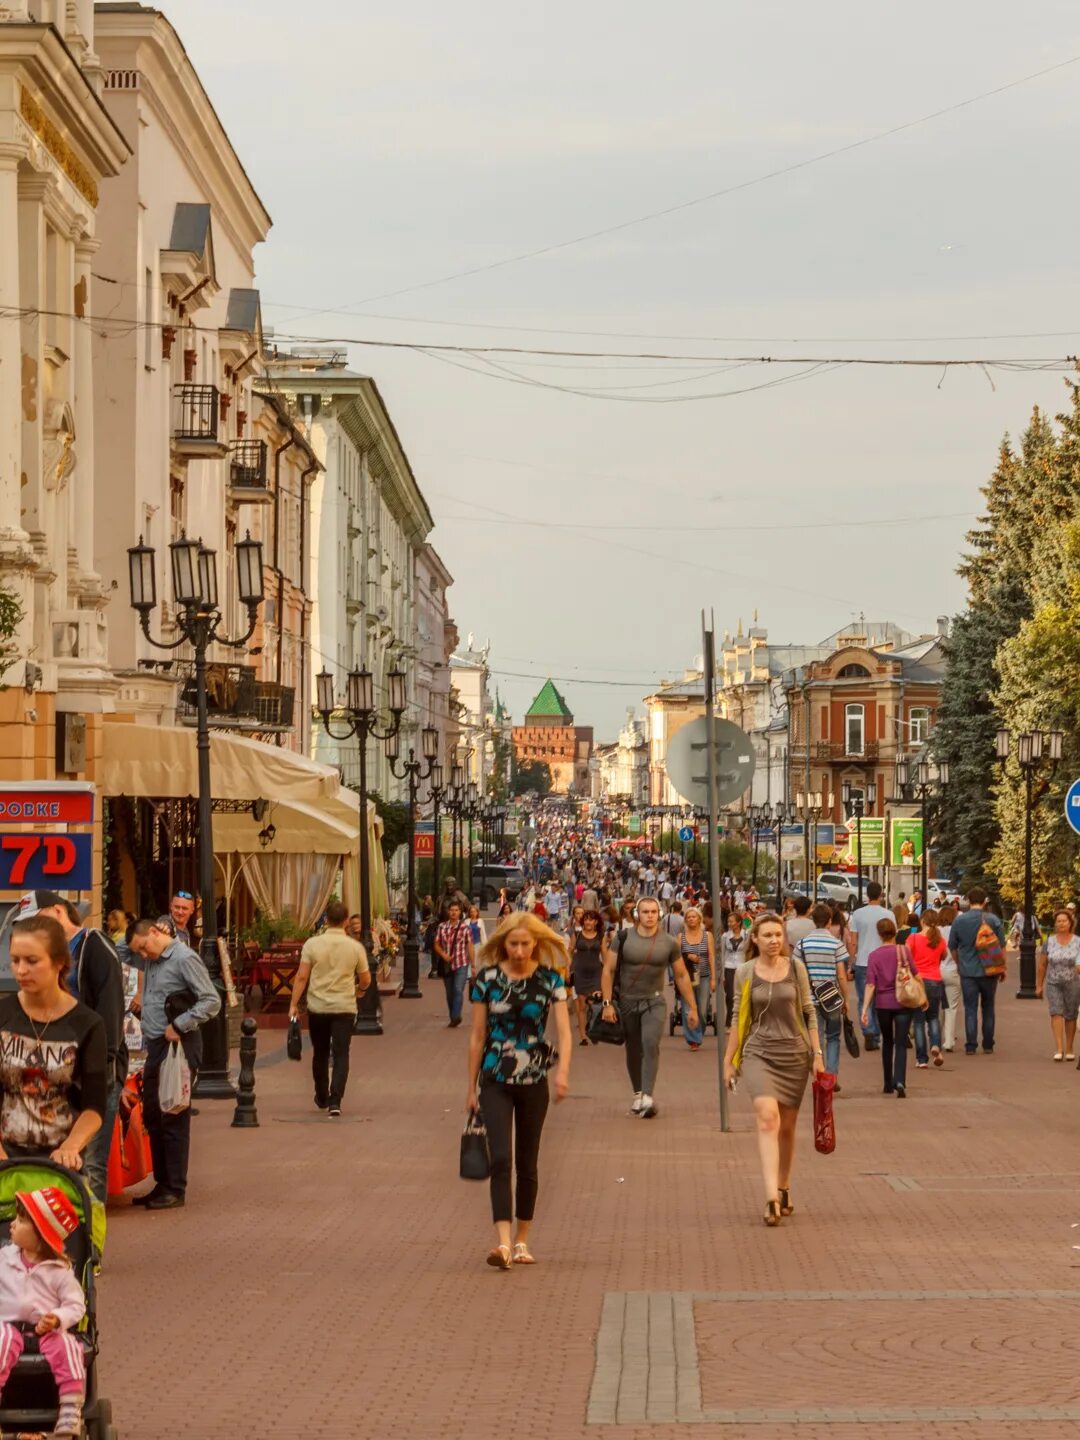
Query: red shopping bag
{"points": [[824, 1124]]}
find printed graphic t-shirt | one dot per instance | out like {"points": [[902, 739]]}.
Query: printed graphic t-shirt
{"points": [[47, 1083]]}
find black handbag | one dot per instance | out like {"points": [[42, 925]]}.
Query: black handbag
{"points": [[475, 1163], [851, 1040], [604, 1032], [294, 1046]]}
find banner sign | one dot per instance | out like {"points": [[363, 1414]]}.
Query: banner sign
{"points": [[906, 842], [871, 829], [46, 807], [46, 862]]}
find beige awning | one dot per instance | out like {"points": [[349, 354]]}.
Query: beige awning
{"points": [[310, 809]]}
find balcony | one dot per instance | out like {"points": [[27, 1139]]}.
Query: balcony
{"points": [[247, 472], [235, 699], [834, 750], [196, 422]]}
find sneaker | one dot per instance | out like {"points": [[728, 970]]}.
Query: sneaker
{"points": [[648, 1109], [335, 1112], [635, 1108], [923, 1065], [901, 1092]]}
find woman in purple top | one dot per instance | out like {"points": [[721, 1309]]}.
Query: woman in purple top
{"points": [[894, 1020]]}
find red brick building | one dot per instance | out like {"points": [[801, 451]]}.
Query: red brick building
{"points": [[550, 735]]}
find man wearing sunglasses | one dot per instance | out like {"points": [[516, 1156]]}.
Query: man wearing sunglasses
{"points": [[181, 909]]}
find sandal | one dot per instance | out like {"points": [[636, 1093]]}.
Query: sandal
{"points": [[499, 1258], [772, 1213], [786, 1207], [522, 1255]]}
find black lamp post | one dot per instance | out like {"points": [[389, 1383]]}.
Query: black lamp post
{"points": [[811, 807], [922, 780], [361, 719], [1032, 749], [437, 788], [856, 803], [415, 772], [454, 802], [780, 817], [756, 814], [198, 619]]}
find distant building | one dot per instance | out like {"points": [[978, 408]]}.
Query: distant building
{"points": [[669, 708], [622, 768], [473, 710], [550, 735]]}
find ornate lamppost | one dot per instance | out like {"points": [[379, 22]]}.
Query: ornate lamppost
{"points": [[811, 807], [922, 780], [415, 772], [856, 803], [437, 789], [780, 817], [198, 620], [360, 718], [1033, 749]]}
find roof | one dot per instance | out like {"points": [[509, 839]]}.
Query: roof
{"points": [[243, 311], [549, 702], [925, 660], [190, 227]]}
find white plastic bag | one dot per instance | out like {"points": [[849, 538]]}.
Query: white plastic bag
{"points": [[174, 1082]]}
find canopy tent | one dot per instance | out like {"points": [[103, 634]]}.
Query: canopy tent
{"points": [[315, 817]]}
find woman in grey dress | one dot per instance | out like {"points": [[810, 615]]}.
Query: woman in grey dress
{"points": [[774, 1044]]}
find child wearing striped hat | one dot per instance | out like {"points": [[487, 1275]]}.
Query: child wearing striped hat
{"points": [[38, 1287]]}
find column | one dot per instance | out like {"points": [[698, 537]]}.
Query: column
{"points": [[82, 481], [10, 352]]}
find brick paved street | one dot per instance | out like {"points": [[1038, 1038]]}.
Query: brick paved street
{"points": [[327, 1279]]}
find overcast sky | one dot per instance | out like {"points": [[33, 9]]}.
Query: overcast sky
{"points": [[395, 144]]}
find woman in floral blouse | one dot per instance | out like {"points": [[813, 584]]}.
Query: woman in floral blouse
{"points": [[1060, 982], [516, 985]]}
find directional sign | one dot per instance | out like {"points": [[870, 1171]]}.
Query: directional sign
{"points": [[687, 762], [686, 834], [1072, 805]]}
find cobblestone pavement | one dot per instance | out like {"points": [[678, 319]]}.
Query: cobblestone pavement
{"points": [[326, 1279]]}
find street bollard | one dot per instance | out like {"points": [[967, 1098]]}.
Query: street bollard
{"points": [[245, 1116]]}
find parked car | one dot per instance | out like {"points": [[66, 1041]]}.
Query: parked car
{"points": [[940, 889], [841, 887], [488, 879]]}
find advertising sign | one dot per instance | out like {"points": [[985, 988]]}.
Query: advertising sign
{"points": [[43, 804], [46, 862], [871, 829], [906, 842]]}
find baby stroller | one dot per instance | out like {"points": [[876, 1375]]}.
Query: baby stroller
{"points": [[30, 1400], [709, 1020]]}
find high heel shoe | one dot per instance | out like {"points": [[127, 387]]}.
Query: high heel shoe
{"points": [[772, 1213], [786, 1207]]}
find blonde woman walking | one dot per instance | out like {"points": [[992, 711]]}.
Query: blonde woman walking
{"points": [[518, 983], [771, 1046]]}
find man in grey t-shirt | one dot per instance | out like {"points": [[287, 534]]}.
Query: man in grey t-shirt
{"points": [[638, 961], [864, 923]]}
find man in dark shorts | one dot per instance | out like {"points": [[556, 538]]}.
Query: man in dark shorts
{"points": [[637, 965]]}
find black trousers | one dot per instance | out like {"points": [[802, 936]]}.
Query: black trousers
{"points": [[514, 1117], [331, 1036], [895, 1025], [170, 1135]]}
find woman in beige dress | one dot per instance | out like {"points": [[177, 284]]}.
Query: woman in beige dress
{"points": [[774, 1045]]}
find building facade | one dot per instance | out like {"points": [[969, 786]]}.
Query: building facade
{"points": [[473, 709], [621, 769], [59, 147], [436, 641], [550, 735], [671, 706]]}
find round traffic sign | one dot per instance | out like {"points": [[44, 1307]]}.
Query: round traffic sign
{"points": [[1072, 805], [687, 762], [686, 834]]}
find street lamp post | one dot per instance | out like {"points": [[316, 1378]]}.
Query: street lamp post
{"points": [[415, 772], [855, 803], [1032, 749], [453, 805], [780, 818], [922, 780], [757, 816], [811, 807], [198, 619], [438, 790], [362, 720]]}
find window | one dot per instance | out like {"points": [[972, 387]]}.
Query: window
{"points": [[853, 672], [920, 724], [853, 729]]}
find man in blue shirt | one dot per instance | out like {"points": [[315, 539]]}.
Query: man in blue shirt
{"points": [[977, 987]]}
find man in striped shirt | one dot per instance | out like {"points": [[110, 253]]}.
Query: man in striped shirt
{"points": [[825, 958]]}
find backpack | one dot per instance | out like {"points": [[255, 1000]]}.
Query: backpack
{"points": [[989, 949]]}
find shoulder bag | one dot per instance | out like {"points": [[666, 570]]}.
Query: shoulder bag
{"points": [[910, 990], [475, 1162], [825, 992], [599, 1030]]}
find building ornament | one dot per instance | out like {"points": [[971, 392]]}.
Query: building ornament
{"points": [[53, 141]]}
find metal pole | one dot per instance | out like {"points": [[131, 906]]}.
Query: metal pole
{"points": [[369, 1007], [410, 974], [779, 882], [213, 1080], [923, 869], [1027, 939], [858, 843], [714, 871], [436, 863]]}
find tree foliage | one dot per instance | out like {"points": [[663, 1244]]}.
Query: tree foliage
{"points": [[11, 614], [526, 775], [394, 815]]}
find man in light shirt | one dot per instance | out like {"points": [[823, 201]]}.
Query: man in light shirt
{"points": [[334, 971]]}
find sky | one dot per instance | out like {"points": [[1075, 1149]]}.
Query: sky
{"points": [[396, 144]]}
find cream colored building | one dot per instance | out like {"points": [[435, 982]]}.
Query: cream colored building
{"points": [[58, 148]]}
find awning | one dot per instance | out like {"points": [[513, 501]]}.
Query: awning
{"points": [[312, 812]]}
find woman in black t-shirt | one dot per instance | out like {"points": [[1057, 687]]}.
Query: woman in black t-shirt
{"points": [[53, 1059]]}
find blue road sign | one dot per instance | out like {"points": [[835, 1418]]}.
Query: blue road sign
{"points": [[686, 834], [1072, 805]]}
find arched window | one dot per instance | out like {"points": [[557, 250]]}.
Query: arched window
{"points": [[854, 729], [853, 672]]}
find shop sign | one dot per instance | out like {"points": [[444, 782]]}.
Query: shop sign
{"points": [[31, 861], [46, 805]]}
